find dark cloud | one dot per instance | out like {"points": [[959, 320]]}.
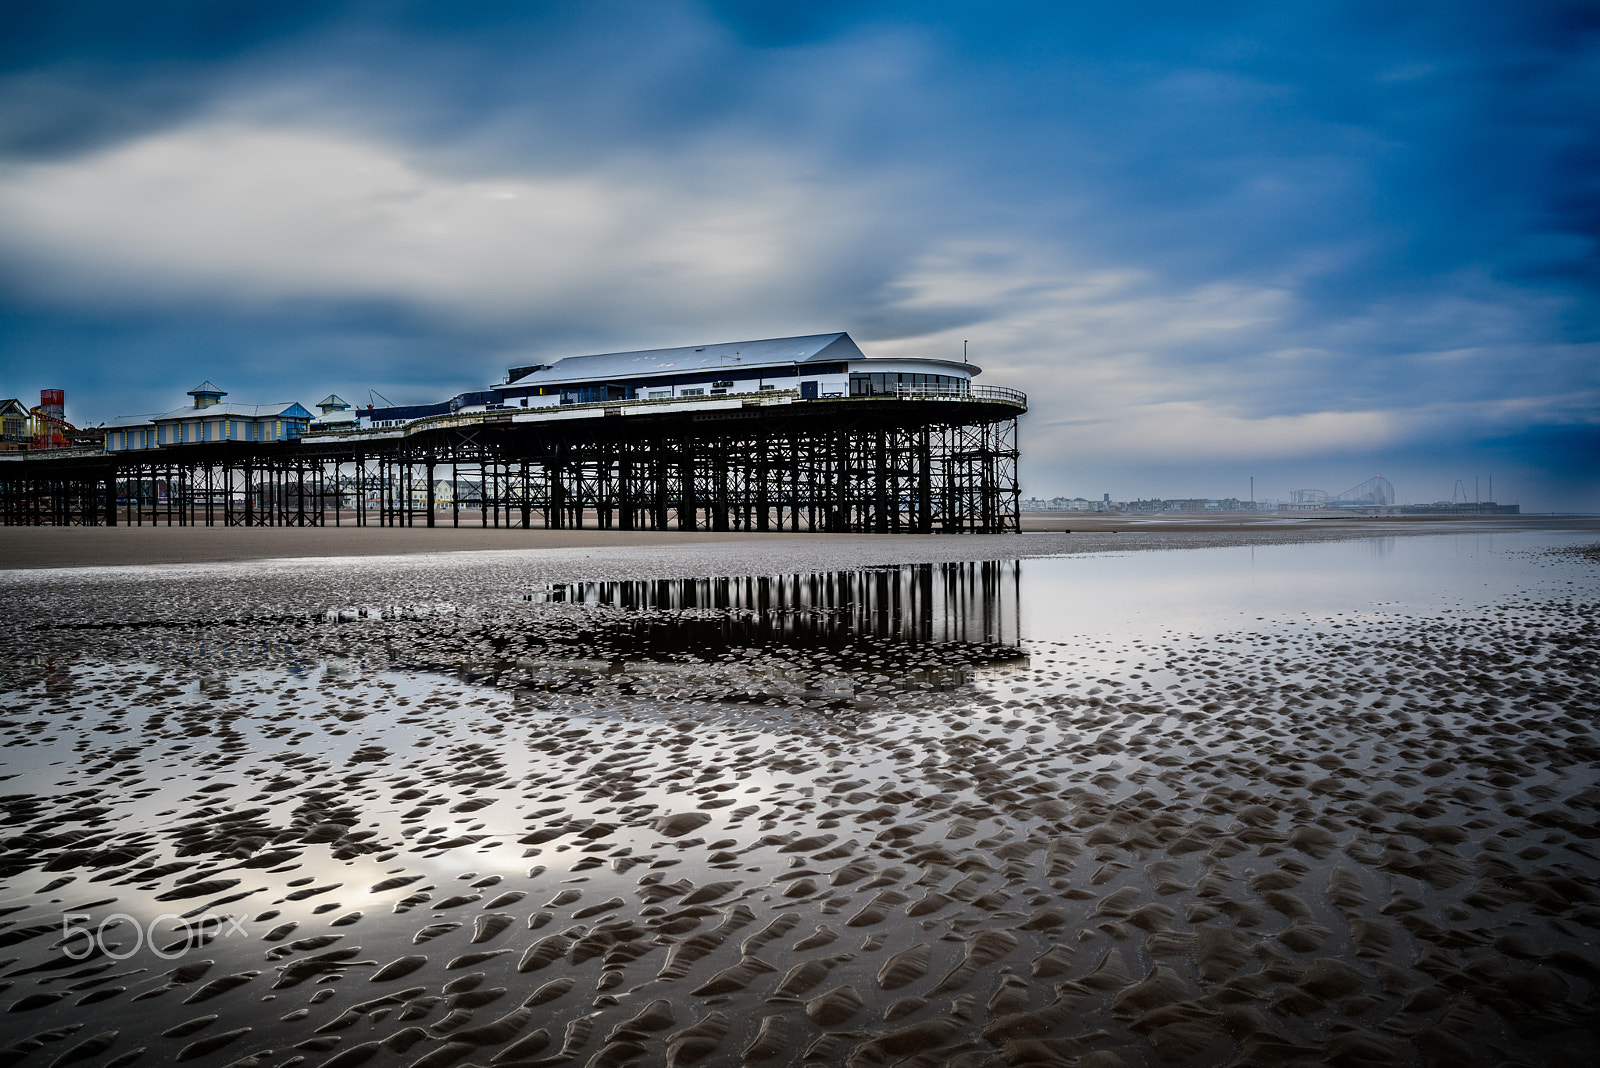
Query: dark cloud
{"points": [[113, 34]]}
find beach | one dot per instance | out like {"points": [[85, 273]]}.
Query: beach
{"points": [[1288, 793], [85, 546]]}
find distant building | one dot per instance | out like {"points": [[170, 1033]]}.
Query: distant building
{"points": [[336, 414], [208, 420], [1460, 508], [1155, 506], [371, 418], [1067, 504], [1189, 505], [13, 424], [459, 493]]}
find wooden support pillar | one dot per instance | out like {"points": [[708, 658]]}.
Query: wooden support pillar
{"points": [[526, 489], [431, 501]]}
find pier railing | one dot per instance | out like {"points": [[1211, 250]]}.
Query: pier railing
{"points": [[965, 391], [987, 394]]}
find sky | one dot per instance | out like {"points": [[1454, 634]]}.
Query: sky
{"points": [[1307, 243]]}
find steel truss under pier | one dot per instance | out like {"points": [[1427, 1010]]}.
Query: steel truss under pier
{"points": [[853, 465]]}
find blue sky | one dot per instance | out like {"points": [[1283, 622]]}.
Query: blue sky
{"points": [[1305, 242]]}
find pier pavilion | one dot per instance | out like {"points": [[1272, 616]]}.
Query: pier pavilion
{"points": [[208, 419]]}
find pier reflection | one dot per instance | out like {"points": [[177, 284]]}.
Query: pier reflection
{"points": [[908, 606]]}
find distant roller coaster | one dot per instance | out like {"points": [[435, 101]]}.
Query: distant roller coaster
{"points": [[1376, 491]]}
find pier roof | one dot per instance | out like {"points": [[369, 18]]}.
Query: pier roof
{"points": [[286, 409], [733, 355]]}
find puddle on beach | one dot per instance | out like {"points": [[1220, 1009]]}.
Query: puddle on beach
{"points": [[1321, 803]]}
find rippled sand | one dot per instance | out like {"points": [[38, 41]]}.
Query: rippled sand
{"points": [[698, 824]]}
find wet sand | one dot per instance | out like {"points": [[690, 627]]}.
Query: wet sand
{"points": [[1357, 525], [34, 547], [58, 547], [456, 811]]}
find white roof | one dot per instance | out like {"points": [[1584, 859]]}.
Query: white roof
{"points": [[732, 356], [215, 411]]}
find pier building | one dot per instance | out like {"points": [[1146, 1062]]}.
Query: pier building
{"points": [[208, 419]]}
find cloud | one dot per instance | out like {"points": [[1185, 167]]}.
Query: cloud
{"points": [[251, 214], [1089, 339], [1197, 430], [1128, 369], [1327, 238], [1123, 363], [1120, 364]]}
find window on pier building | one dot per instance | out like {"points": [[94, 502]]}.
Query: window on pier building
{"points": [[592, 394], [887, 384]]}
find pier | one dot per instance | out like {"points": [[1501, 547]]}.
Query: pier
{"points": [[918, 460]]}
